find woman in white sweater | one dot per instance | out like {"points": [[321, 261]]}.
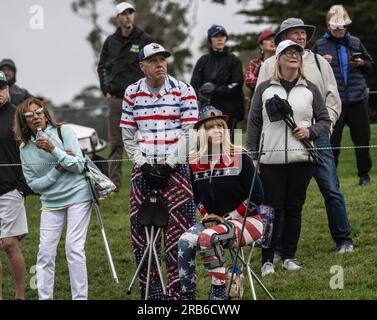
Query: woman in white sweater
{"points": [[286, 172]]}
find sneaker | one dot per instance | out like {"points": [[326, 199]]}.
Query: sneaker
{"points": [[364, 182], [291, 265], [267, 268], [345, 248], [277, 258]]}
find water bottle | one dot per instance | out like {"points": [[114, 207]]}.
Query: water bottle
{"points": [[39, 133]]}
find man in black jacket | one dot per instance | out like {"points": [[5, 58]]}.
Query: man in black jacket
{"points": [[13, 223], [117, 69], [218, 76], [17, 94]]}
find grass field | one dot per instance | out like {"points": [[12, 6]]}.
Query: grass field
{"points": [[316, 250]]}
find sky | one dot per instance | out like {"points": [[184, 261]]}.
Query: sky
{"points": [[46, 39]]}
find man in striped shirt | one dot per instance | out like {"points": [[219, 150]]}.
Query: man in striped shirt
{"points": [[158, 113]]}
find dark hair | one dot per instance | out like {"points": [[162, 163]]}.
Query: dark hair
{"points": [[21, 130]]}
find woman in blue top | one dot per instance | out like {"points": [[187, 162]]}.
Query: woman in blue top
{"points": [[350, 61], [53, 164]]}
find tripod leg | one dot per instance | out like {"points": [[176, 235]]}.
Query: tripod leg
{"points": [[256, 278], [247, 266], [140, 264], [149, 262], [157, 261], [105, 243]]}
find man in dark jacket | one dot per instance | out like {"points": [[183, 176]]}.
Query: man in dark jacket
{"points": [[13, 223], [17, 94], [117, 69], [218, 76]]}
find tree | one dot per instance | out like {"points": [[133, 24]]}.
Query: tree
{"points": [[313, 12]]}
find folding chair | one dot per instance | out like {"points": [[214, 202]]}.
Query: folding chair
{"points": [[154, 216], [267, 214]]}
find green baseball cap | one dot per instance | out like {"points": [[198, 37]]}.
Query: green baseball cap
{"points": [[3, 78]]}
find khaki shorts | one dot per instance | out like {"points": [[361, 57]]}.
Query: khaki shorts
{"points": [[13, 221]]}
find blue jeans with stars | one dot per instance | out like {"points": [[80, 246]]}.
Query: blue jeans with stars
{"points": [[187, 247]]}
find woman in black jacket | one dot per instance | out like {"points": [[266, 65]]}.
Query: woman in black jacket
{"points": [[218, 78]]}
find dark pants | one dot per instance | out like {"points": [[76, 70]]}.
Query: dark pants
{"points": [[356, 116], [285, 188], [115, 139]]}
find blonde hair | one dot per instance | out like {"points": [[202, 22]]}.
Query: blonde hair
{"points": [[204, 148], [338, 16], [277, 70], [21, 130]]}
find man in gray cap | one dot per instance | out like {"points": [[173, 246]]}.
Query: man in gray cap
{"points": [[319, 71], [118, 67]]}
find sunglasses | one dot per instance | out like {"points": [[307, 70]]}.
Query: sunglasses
{"points": [[30, 114], [337, 27]]}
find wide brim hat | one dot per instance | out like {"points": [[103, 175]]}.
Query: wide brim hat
{"points": [[209, 112], [292, 23]]}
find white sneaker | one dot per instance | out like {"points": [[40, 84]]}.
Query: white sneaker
{"points": [[267, 269], [291, 265], [277, 258], [344, 248]]}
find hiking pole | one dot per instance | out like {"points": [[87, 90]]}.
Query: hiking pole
{"points": [[102, 230], [235, 258]]}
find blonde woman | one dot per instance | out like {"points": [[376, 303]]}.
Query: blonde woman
{"points": [[286, 174], [221, 175]]}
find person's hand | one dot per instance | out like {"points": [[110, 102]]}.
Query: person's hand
{"points": [[328, 57], [59, 168], [71, 153], [301, 133], [45, 144], [207, 88], [213, 220], [354, 63]]}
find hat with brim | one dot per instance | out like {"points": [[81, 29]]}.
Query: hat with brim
{"points": [[265, 35], [285, 44], [209, 112], [153, 49], [123, 6], [292, 23]]}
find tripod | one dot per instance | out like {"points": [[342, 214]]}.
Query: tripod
{"points": [[154, 216]]}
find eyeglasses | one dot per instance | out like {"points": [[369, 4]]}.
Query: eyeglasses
{"points": [[30, 114], [291, 53]]}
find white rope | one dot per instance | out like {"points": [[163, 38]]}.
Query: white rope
{"points": [[249, 153]]}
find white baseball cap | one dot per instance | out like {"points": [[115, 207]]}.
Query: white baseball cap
{"points": [[152, 49], [123, 6], [287, 44]]}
